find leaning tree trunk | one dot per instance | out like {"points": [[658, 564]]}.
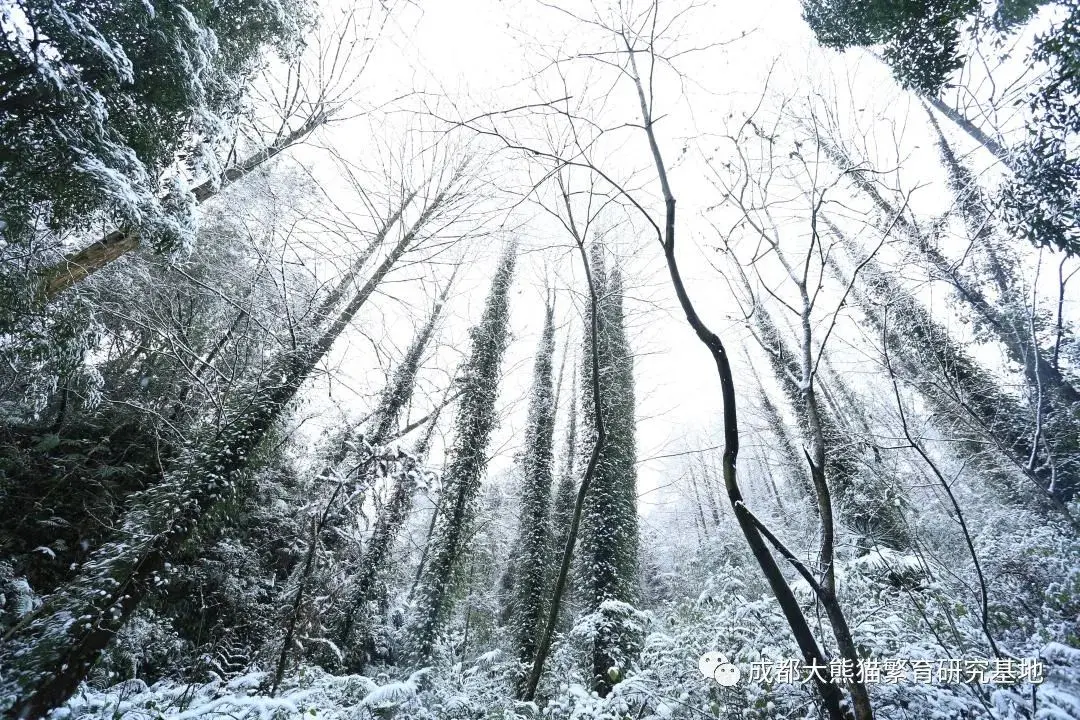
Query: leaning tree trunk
{"points": [[78, 266], [952, 381], [834, 470], [792, 463], [973, 130], [394, 514], [385, 418], [51, 655], [1014, 337], [374, 561], [342, 288], [1058, 446], [974, 209]]}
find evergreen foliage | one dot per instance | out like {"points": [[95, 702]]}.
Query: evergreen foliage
{"points": [[562, 506], [609, 541], [965, 393], [468, 459], [922, 40], [534, 544], [221, 497], [52, 654], [98, 99], [925, 46]]}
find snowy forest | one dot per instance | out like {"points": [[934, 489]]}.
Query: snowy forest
{"points": [[522, 359]]}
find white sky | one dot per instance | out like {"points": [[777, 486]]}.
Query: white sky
{"points": [[474, 56]]}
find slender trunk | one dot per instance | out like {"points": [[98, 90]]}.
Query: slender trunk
{"points": [[205, 363], [837, 620], [974, 207], [973, 131], [305, 574], [468, 613], [333, 299], [77, 266], [1021, 345], [421, 450], [564, 494], [534, 519], [375, 558], [544, 648], [130, 567], [708, 487], [793, 464], [390, 519], [984, 596], [399, 393], [804, 636], [1059, 321], [841, 464], [697, 501], [422, 565]]}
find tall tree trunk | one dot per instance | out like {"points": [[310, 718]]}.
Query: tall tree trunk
{"points": [[534, 532], [374, 560], [973, 131], [707, 487], [468, 459], [344, 284], [609, 523], [394, 399], [51, 656], [752, 531], [563, 505], [78, 266], [561, 579], [974, 209], [391, 518], [793, 464], [1060, 398], [1014, 337], [697, 501]]}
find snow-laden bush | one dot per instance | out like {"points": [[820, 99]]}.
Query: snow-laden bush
{"points": [[732, 614]]}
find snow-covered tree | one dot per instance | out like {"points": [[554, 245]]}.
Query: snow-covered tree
{"points": [[562, 504], [464, 470], [98, 99], [51, 655], [1010, 321], [363, 584], [609, 542], [533, 549]]}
